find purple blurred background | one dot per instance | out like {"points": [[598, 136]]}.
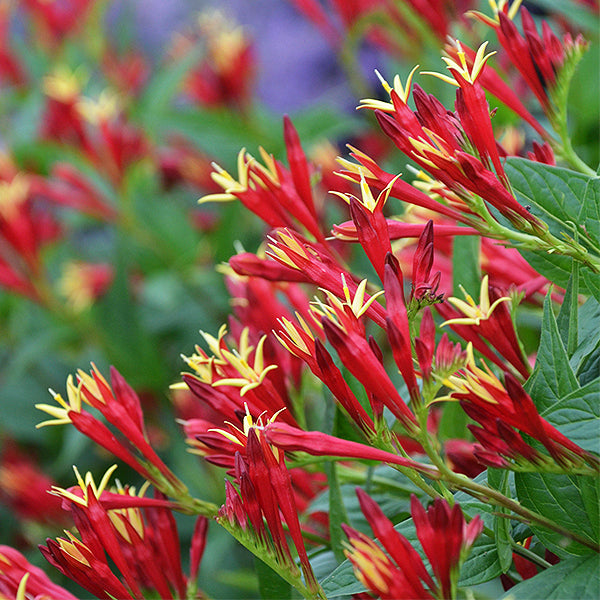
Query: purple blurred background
{"points": [[296, 65]]}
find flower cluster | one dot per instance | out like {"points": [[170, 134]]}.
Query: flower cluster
{"points": [[444, 536], [348, 361]]}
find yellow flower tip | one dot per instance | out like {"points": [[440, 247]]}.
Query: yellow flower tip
{"points": [[344, 197], [461, 67], [384, 83], [348, 165], [404, 91], [514, 9], [70, 548], [470, 362], [101, 109], [441, 76], [12, 195], [64, 84], [258, 354], [375, 105], [227, 435], [21, 589]]}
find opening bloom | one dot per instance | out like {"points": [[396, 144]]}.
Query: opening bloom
{"points": [[398, 571]]}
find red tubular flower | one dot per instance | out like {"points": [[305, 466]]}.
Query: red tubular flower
{"points": [[397, 325], [20, 579], [180, 162], [198, 546], [22, 484], [260, 305], [266, 492], [225, 377], [441, 142], [538, 59], [280, 197], [493, 83], [301, 342], [460, 456], [57, 20], [25, 228], [380, 574], [290, 249], [136, 533], [370, 224], [225, 75], [490, 321], [250, 265], [489, 402], [424, 285], [444, 535], [260, 453], [62, 122], [228, 447], [399, 230], [127, 71], [316, 443], [81, 283], [499, 441], [117, 145], [542, 154], [69, 187], [446, 538], [425, 344], [377, 178], [356, 354], [524, 567], [121, 407]]}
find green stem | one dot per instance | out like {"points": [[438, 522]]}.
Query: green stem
{"points": [[492, 496], [349, 475], [567, 152], [289, 573]]}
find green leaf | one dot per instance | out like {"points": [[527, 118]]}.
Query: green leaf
{"points": [[569, 203], [592, 283], [564, 199], [573, 578], [163, 87], [590, 366], [394, 506], [558, 498], [337, 511], [128, 346], [323, 562], [498, 479], [465, 261], [554, 267], [567, 316], [552, 377], [591, 209], [453, 423], [342, 582], [577, 416], [271, 586], [483, 562], [585, 360], [590, 494]]}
